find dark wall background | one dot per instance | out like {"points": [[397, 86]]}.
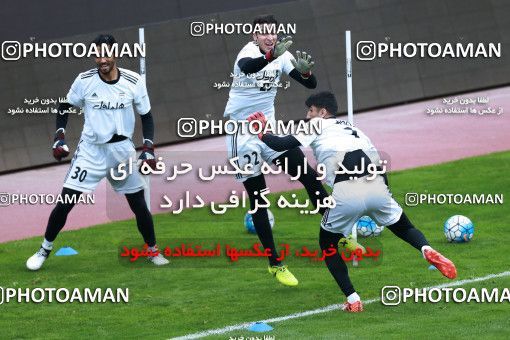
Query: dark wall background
{"points": [[182, 69], [51, 19]]}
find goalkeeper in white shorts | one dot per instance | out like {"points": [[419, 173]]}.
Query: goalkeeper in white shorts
{"points": [[341, 146], [257, 72], [109, 95]]}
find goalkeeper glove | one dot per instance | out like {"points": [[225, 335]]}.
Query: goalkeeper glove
{"points": [[60, 148], [279, 48], [147, 155], [260, 120], [303, 64]]}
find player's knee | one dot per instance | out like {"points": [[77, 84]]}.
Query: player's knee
{"points": [[137, 202], [68, 197], [308, 176], [140, 209], [402, 224], [254, 186], [63, 208], [328, 239]]}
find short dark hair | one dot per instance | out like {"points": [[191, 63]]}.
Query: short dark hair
{"points": [[323, 100], [107, 39], [264, 19]]}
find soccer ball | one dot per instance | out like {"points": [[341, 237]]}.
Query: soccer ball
{"points": [[248, 222], [366, 227], [459, 228]]}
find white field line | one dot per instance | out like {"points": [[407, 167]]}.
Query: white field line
{"points": [[326, 309]]}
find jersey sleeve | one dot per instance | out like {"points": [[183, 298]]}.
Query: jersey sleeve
{"points": [[75, 95], [141, 98], [287, 66], [248, 51], [306, 138]]}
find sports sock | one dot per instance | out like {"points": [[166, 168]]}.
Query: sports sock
{"points": [[335, 263], [47, 244], [260, 217], [405, 230], [423, 250], [353, 298], [143, 216]]}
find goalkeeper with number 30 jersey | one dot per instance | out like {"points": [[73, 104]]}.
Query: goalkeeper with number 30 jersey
{"points": [[257, 74], [109, 96]]}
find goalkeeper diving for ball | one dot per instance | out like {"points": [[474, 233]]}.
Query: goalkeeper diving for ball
{"points": [[340, 145]]}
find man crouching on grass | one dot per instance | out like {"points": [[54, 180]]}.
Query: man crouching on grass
{"points": [[340, 144]]}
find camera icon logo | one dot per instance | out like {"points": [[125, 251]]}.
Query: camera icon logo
{"points": [[187, 127], [411, 199], [391, 295], [366, 50], [197, 28], [11, 50], [5, 199]]}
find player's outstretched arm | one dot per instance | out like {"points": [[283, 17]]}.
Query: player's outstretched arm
{"points": [[60, 148], [302, 72], [274, 142], [252, 65], [147, 155], [280, 143], [303, 64], [309, 83]]}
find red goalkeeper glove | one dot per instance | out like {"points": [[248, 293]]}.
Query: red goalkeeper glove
{"points": [[60, 148], [147, 155], [260, 122]]}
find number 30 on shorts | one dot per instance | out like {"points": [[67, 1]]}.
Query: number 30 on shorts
{"points": [[80, 174]]}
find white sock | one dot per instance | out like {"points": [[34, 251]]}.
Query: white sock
{"points": [[47, 244], [153, 249], [423, 250], [353, 298]]}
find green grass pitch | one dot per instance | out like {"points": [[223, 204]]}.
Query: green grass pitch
{"points": [[195, 295]]}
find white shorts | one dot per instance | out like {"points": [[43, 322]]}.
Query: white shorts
{"points": [[249, 149], [358, 198], [92, 162]]}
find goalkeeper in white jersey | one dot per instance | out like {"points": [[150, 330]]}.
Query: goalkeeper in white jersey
{"points": [[345, 150], [257, 73], [109, 97]]}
